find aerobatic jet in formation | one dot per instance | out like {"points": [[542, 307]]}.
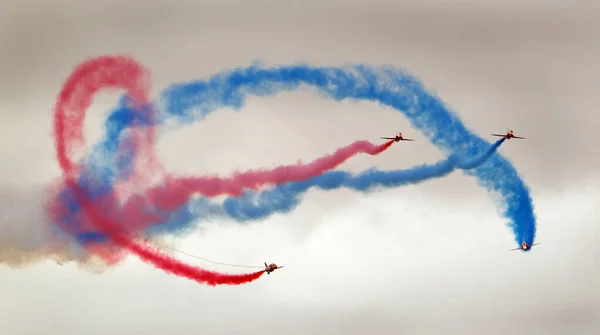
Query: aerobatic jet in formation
{"points": [[524, 246], [399, 137], [510, 134], [271, 267]]}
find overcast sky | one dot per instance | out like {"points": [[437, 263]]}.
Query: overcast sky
{"points": [[423, 259]]}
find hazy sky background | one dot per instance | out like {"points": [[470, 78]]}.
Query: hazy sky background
{"points": [[423, 259]]}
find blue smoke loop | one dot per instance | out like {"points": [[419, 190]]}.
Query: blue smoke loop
{"points": [[188, 102]]}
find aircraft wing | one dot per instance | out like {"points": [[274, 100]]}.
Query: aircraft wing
{"points": [[498, 135], [407, 139], [514, 249], [388, 138], [519, 137]]}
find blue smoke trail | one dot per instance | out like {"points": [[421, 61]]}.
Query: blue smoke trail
{"points": [[388, 86], [109, 161], [283, 198]]}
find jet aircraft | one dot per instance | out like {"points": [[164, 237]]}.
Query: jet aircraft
{"points": [[271, 267], [524, 246], [399, 137], [509, 134]]}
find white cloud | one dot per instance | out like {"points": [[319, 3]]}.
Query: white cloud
{"points": [[397, 251]]}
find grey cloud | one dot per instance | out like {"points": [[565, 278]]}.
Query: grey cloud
{"points": [[530, 67]]}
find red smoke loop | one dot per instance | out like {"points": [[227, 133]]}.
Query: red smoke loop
{"points": [[105, 214]]}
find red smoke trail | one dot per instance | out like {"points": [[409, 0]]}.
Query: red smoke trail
{"points": [[74, 99], [105, 213], [177, 190]]}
